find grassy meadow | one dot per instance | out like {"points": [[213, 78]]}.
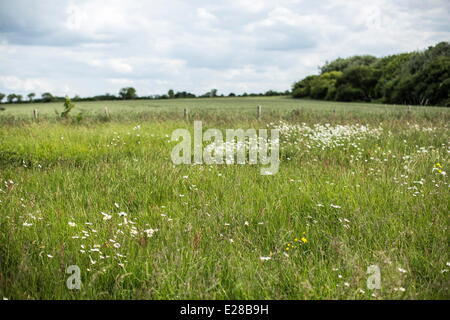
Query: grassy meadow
{"points": [[358, 185]]}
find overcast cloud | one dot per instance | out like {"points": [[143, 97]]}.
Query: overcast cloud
{"points": [[98, 46]]}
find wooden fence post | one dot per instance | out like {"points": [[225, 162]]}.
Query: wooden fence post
{"points": [[259, 112], [186, 114], [35, 114], [107, 112]]}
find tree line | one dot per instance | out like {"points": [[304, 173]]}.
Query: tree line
{"points": [[415, 78], [130, 93]]}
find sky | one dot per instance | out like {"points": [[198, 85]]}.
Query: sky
{"points": [[77, 47]]}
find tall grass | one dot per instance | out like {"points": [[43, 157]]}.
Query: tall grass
{"points": [[199, 232]]}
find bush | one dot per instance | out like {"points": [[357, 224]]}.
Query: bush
{"points": [[68, 106]]}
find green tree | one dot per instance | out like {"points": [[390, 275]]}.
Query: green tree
{"points": [[19, 98], [431, 85], [389, 67], [341, 64], [170, 93], [2, 96], [302, 88], [324, 86], [213, 93], [348, 93], [421, 77], [31, 96], [360, 77], [128, 93], [11, 97], [47, 97]]}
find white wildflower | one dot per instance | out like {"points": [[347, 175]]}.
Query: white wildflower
{"points": [[150, 232], [401, 270], [106, 216]]}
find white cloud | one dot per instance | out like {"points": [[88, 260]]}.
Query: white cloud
{"points": [[117, 65], [121, 81], [204, 14], [253, 6], [14, 83]]}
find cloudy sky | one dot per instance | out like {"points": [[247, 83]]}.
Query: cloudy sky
{"points": [[99, 46]]}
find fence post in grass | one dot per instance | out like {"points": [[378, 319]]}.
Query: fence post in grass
{"points": [[107, 112], [258, 112], [186, 114], [35, 114]]}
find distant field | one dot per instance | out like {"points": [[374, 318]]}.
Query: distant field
{"points": [[241, 105], [362, 186]]}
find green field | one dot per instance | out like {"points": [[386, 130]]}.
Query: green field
{"points": [[205, 106], [359, 185]]}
